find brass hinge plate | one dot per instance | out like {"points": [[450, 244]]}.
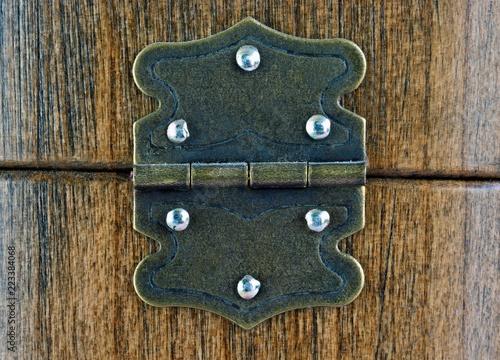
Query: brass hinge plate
{"points": [[256, 152]]}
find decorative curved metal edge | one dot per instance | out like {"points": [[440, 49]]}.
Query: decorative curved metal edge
{"points": [[235, 136], [353, 278], [341, 264], [250, 28]]}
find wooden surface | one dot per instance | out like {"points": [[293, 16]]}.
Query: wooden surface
{"points": [[430, 252], [431, 94], [430, 248]]}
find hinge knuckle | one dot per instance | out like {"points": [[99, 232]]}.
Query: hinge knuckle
{"points": [[171, 176], [278, 175], [219, 175], [336, 174]]}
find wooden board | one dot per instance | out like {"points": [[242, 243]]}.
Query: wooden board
{"points": [[430, 249], [431, 95], [430, 252]]}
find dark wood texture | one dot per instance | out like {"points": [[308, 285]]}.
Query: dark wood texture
{"points": [[431, 94], [430, 251]]}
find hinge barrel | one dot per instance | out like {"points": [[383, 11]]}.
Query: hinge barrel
{"points": [[254, 175]]}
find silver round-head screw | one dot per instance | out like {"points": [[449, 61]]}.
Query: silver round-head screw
{"points": [[248, 287], [318, 127], [177, 131], [248, 57], [177, 219], [317, 220]]}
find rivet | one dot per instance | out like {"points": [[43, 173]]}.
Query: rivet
{"points": [[318, 127], [248, 287], [317, 220], [178, 219], [248, 57], [177, 131]]}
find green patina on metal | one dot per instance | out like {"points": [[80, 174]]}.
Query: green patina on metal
{"points": [[249, 172]]}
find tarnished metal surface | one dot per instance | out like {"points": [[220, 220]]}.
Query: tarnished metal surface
{"points": [[247, 124]]}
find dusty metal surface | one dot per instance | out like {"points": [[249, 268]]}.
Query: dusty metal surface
{"points": [[261, 144]]}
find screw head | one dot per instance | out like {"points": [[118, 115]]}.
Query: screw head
{"points": [[178, 219], [177, 131], [248, 57], [317, 220], [248, 287], [318, 127]]}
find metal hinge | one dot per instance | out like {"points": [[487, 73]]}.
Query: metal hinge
{"points": [[249, 173], [254, 175]]}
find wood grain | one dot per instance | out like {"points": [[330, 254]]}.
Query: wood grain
{"points": [[430, 253], [431, 95]]}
